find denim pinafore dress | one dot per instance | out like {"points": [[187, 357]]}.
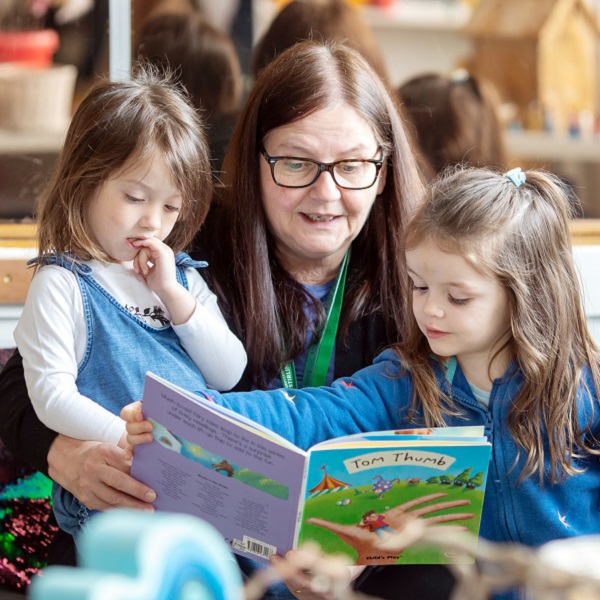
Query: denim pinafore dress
{"points": [[120, 349]]}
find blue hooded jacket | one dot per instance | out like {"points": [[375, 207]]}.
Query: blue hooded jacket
{"points": [[379, 397]]}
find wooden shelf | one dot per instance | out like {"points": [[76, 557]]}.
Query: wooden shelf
{"points": [[17, 235], [585, 232], [432, 15], [30, 142], [538, 145]]}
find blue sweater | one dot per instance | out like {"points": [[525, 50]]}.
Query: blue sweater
{"points": [[378, 398]]}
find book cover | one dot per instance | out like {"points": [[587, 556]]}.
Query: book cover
{"points": [[349, 494], [243, 481], [361, 492]]}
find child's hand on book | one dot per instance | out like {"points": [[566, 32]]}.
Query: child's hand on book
{"points": [[374, 548], [139, 431]]}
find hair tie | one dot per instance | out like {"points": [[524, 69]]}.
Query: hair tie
{"points": [[460, 76], [516, 176]]}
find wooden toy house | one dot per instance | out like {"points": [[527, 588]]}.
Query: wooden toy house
{"points": [[538, 52]]}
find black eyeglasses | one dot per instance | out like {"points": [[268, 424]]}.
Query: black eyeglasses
{"points": [[350, 173]]}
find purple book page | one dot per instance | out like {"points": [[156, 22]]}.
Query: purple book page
{"points": [[246, 485]]}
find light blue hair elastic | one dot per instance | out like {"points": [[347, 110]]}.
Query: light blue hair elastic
{"points": [[516, 176]]}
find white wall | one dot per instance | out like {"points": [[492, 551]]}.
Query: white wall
{"points": [[587, 259]]}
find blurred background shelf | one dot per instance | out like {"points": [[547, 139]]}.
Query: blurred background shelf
{"points": [[20, 142], [414, 14], [576, 159], [539, 146]]}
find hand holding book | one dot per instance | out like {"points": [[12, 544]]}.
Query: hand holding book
{"points": [[350, 494]]}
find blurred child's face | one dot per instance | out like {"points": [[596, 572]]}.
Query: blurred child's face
{"points": [[461, 312], [140, 202]]}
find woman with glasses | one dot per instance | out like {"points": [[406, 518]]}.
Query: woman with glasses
{"points": [[304, 244], [305, 240]]}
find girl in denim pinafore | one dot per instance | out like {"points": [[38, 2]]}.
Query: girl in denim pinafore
{"points": [[113, 296]]}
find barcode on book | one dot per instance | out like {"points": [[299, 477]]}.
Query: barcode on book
{"points": [[259, 548]]}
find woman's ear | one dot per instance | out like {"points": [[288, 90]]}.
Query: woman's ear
{"points": [[382, 178]]}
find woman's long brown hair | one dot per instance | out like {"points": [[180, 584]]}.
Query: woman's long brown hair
{"points": [[264, 301]]}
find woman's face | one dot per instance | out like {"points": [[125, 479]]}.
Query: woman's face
{"points": [[314, 226]]}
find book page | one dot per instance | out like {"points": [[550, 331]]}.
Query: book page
{"points": [[357, 496], [230, 415], [471, 432], [243, 483]]}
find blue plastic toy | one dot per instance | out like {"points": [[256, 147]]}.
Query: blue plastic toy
{"points": [[132, 555]]}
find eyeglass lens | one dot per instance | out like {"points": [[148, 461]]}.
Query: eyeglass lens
{"points": [[297, 173]]}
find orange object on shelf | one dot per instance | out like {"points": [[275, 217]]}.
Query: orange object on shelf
{"points": [[33, 48]]}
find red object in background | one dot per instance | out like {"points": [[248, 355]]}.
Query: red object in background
{"points": [[382, 2], [33, 48]]}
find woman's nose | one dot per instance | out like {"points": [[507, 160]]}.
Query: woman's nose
{"points": [[325, 187]]}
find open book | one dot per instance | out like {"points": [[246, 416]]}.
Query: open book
{"points": [[349, 494]]}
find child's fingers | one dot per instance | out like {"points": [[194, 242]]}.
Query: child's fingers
{"points": [[145, 258], [137, 427], [151, 247], [132, 412], [137, 440], [155, 250]]}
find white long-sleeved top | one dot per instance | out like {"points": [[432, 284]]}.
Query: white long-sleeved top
{"points": [[51, 336]]}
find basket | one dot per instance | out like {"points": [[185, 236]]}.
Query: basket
{"points": [[36, 99]]}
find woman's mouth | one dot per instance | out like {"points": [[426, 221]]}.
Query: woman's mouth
{"points": [[319, 218]]}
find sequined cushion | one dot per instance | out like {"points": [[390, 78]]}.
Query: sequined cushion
{"points": [[26, 528]]}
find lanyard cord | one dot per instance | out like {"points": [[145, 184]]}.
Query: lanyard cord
{"points": [[320, 351]]}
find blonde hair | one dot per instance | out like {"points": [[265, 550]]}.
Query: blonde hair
{"points": [[118, 125], [520, 236]]}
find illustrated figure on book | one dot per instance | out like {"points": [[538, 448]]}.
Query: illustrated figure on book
{"points": [[225, 467], [381, 485], [498, 338], [375, 523], [113, 294], [366, 539]]}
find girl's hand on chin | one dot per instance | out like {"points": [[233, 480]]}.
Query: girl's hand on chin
{"points": [[138, 430], [142, 262], [155, 262]]}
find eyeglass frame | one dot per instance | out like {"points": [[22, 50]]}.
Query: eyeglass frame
{"points": [[321, 167]]}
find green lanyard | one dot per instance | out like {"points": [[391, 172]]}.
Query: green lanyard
{"points": [[320, 351]]}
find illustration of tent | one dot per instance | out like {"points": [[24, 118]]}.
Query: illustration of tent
{"points": [[328, 484]]}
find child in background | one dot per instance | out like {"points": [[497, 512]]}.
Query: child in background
{"points": [[454, 121], [321, 20], [205, 63], [498, 337], [113, 295]]}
